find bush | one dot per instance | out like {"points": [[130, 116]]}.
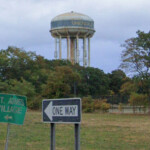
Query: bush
{"points": [[90, 105], [35, 103], [120, 107], [105, 106], [138, 100], [87, 104], [97, 104], [101, 105]]}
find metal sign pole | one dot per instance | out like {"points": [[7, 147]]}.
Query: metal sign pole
{"points": [[7, 138], [52, 146], [77, 136]]}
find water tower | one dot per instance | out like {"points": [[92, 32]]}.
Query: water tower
{"points": [[73, 27]]}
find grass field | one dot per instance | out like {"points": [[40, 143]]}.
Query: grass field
{"points": [[98, 132]]}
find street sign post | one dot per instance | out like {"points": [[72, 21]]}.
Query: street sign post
{"points": [[62, 111], [12, 111]]}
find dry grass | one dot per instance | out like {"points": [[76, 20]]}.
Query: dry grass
{"points": [[98, 131]]}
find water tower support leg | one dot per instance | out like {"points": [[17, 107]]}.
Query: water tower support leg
{"points": [[72, 48], [55, 54], [77, 52], [59, 47], [84, 52], [68, 47], [89, 52]]}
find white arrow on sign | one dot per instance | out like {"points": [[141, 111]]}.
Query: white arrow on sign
{"points": [[8, 117], [48, 110], [61, 111]]}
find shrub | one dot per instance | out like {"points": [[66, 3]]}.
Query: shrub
{"points": [[35, 103], [101, 105], [97, 104], [120, 107], [90, 105], [87, 104], [138, 100], [105, 106]]}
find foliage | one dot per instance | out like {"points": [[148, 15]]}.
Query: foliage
{"points": [[117, 78], [136, 58], [87, 104], [105, 107], [60, 82], [90, 105], [25, 73], [143, 84], [138, 100], [36, 103], [22, 87], [97, 104], [14, 62], [120, 107], [128, 87], [4, 87], [94, 82], [101, 105]]}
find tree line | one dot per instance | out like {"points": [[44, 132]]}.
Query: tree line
{"points": [[26, 73]]}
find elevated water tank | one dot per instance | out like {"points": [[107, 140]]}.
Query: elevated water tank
{"points": [[73, 27], [71, 24]]}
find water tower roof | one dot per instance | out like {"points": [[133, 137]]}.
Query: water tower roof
{"points": [[72, 24], [72, 16]]}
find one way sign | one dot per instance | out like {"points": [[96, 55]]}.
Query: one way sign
{"points": [[62, 110]]}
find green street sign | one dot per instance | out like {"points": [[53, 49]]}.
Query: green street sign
{"points": [[12, 108]]}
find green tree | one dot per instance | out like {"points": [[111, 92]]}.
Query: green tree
{"points": [[136, 57], [94, 82], [128, 87], [16, 63], [13, 63], [4, 87], [117, 78], [22, 87], [60, 82], [140, 100]]}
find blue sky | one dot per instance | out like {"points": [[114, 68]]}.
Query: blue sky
{"points": [[26, 24]]}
